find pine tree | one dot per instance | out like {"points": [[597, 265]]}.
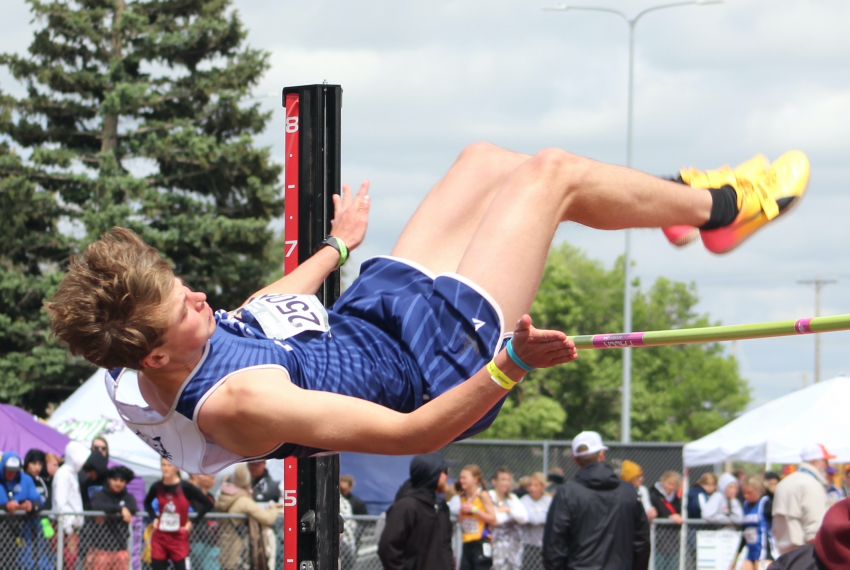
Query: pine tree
{"points": [[133, 113], [33, 367]]}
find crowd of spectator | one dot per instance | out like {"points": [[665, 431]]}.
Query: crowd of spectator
{"points": [[85, 479], [599, 518], [797, 520]]}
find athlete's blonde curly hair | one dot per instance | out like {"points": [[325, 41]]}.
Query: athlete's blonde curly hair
{"points": [[110, 307]]}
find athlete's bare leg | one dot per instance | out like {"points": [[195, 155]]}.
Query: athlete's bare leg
{"points": [[504, 227], [440, 230]]}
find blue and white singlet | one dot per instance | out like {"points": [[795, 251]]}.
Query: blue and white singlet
{"points": [[398, 337]]}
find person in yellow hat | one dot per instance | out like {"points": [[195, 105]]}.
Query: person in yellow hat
{"points": [[632, 473]]}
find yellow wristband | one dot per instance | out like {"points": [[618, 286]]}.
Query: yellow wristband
{"points": [[499, 377]]}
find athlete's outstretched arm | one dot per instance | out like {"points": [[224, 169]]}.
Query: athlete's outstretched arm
{"points": [[351, 219], [254, 412]]}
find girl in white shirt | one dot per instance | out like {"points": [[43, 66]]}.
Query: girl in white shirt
{"points": [[510, 514], [723, 506], [536, 504]]}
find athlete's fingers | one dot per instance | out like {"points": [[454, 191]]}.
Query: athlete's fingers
{"points": [[558, 358], [563, 355], [547, 335], [538, 336], [363, 203], [552, 354], [346, 195], [523, 325]]}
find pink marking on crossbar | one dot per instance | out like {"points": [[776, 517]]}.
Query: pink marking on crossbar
{"points": [[803, 326], [618, 340]]}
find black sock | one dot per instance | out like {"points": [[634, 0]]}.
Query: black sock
{"points": [[724, 208]]}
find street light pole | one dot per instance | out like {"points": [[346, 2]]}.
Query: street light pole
{"points": [[818, 283], [626, 413]]}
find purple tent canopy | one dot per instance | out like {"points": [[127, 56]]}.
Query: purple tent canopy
{"points": [[20, 431]]}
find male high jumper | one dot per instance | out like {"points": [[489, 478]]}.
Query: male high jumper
{"points": [[412, 356]]}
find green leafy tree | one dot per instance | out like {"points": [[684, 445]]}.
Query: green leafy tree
{"points": [[678, 393], [133, 113]]}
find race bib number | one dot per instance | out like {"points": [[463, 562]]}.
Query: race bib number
{"points": [[283, 316], [751, 535], [169, 522], [470, 526]]}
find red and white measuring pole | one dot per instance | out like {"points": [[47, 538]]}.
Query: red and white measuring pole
{"points": [[312, 176]]}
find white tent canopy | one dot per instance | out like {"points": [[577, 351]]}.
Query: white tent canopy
{"points": [[89, 412], [777, 431]]}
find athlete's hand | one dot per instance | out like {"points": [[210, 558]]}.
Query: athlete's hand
{"points": [[541, 348], [351, 216]]}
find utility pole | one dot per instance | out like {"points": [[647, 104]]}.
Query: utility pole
{"points": [[818, 284]]}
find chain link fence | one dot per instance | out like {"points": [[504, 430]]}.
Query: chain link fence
{"points": [[526, 457], [223, 542]]}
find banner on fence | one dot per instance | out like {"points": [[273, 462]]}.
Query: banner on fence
{"points": [[717, 549]]}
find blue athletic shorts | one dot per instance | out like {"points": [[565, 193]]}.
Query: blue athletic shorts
{"points": [[448, 325]]}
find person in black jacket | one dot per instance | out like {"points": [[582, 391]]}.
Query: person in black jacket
{"points": [[418, 530], [110, 548], [93, 474], [595, 520]]}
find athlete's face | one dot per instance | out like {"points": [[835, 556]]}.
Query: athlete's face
{"points": [[536, 489], [52, 465], [504, 483], [34, 468], [468, 481], [770, 484], [169, 470], [116, 486], [671, 485], [191, 321], [751, 494]]}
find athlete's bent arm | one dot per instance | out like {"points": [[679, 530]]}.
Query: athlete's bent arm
{"points": [[253, 413], [351, 219]]}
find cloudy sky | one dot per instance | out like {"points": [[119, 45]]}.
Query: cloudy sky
{"points": [[714, 84]]}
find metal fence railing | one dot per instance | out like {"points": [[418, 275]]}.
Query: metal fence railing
{"points": [[221, 542], [526, 457]]}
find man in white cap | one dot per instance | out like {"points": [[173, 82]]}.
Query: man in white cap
{"points": [[800, 501], [595, 520]]}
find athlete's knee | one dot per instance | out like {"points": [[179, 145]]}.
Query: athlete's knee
{"points": [[554, 163], [483, 155], [557, 172]]}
